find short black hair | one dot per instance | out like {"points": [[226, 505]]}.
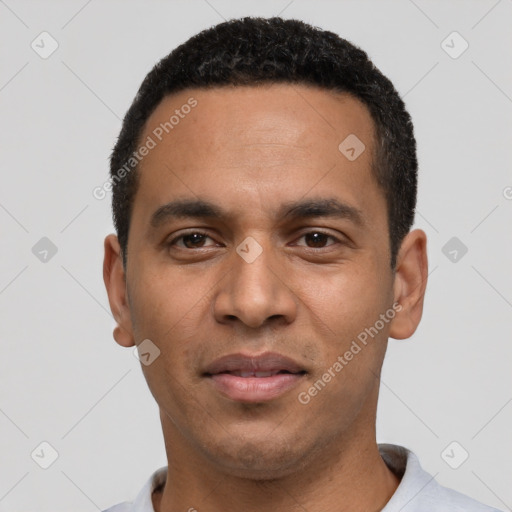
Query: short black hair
{"points": [[253, 51]]}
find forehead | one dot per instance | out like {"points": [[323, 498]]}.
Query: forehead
{"points": [[276, 113], [275, 141]]}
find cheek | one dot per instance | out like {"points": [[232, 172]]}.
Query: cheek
{"points": [[173, 309], [345, 370], [168, 309], [164, 301], [347, 302], [343, 301]]}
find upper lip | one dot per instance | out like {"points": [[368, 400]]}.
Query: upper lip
{"points": [[268, 361]]}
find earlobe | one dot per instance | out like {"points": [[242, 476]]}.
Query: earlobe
{"points": [[123, 337], [115, 283], [410, 284]]}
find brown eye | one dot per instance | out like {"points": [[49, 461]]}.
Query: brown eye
{"points": [[316, 239], [194, 240]]}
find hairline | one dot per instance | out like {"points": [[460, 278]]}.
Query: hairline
{"points": [[376, 137]]}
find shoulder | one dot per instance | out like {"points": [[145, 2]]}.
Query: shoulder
{"points": [[120, 507], [450, 500], [418, 491], [435, 497], [143, 501]]}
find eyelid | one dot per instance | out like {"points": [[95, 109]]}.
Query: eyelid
{"points": [[174, 239], [338, 239]]}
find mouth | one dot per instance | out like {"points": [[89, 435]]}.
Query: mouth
{"points": [[240, 373], [254, 378]]}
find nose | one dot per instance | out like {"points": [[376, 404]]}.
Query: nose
{"points": [[255, 293]]}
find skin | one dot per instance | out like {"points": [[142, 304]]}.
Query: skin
{"points": [[252, 150]]}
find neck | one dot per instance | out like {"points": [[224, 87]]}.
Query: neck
{"points": [[340, 477]]}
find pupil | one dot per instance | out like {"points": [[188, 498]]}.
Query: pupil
{"points": [[316, 239], [195, 240]]}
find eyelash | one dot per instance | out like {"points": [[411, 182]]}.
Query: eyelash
{"points": [[314, 231], [180, 237]]}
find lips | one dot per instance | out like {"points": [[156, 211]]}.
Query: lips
{"points": [[256, 374], [254, 378], [267, 362]]}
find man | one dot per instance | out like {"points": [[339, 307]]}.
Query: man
{"points": [[264, 187]]}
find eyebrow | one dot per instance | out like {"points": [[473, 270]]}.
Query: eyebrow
{"points": [[301, 209], [329, 207], [186, 208]]}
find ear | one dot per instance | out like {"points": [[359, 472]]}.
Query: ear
{"points": [[115, 282], [410, 283]]}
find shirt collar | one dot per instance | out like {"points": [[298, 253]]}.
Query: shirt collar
{"points": [[399, 460], [143, 502]]}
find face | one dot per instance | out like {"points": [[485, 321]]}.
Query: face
{"points": [[258, 255]]}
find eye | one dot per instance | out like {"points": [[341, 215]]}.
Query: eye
{"points": [[317, 239], [193, 240]]}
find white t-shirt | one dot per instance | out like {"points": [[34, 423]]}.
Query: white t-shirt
{"points": [[417, 492]]}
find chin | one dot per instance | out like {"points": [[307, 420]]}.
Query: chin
{"points": [[268, 459]]}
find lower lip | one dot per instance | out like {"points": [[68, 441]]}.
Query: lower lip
{"points": [[254, 389]]}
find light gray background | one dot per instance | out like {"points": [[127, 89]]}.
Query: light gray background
{"points": [[63, 378]]}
